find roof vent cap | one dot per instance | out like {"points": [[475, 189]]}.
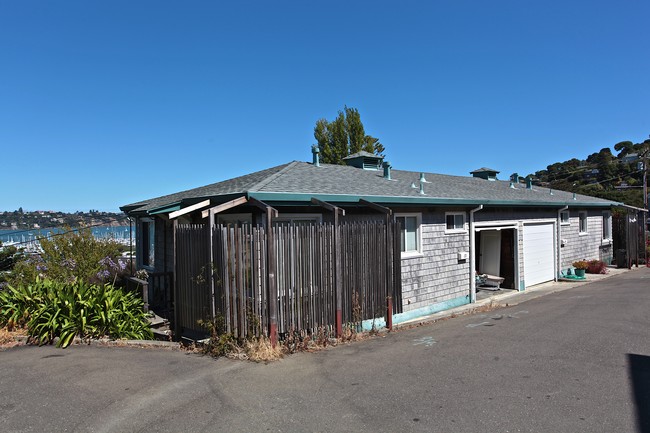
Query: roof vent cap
{"points": [[485, 173], [364, 160], [315, 151]]}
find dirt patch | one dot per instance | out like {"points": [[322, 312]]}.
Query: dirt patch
{"points": [[11, 338]]}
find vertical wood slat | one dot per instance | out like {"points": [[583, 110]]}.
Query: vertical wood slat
{"points": [[305, 274]]}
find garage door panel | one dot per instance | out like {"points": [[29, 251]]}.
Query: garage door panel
{"points": [[539, 256]]}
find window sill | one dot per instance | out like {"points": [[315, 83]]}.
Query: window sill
{"points": [[583, 233], [412, 255], [456, 232]]}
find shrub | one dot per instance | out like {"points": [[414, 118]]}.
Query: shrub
{"points": [[71, 256], [596, 267], [581, 264], [51, 309]]}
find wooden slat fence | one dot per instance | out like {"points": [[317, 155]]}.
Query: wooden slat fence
{"points": [[305, 275], [193, 270]]}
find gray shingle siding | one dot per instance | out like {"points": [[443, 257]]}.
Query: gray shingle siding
{"points": [[436, 275], [589, 246]]}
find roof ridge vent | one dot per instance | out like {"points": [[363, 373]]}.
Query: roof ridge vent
{"points": [[364, 160], [485, 173]]}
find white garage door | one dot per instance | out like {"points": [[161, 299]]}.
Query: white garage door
{"points": [[539, 256]]}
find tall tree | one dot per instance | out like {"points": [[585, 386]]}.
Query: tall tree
{"points": [[344, 136]]}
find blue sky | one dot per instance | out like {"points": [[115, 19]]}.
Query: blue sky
{"points": [[107, 103]]}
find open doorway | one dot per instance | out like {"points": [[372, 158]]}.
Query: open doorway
{"points": [[495, 257]]}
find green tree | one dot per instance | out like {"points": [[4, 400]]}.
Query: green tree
{"points": [[344, 136]]}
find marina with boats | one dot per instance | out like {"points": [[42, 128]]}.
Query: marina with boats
{"points": [[29, 240]]}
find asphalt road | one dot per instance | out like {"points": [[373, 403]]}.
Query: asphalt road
{"points": [[573, 361]]}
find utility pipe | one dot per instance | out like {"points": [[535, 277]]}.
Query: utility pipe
{"points": [[559, 242], [472, 255]]}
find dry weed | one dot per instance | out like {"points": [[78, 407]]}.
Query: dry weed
{"points": [[7, 336], [261, 350]]}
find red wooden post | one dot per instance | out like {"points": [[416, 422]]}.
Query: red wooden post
{"points": [[273, 288], [389, 312], [338, 279]]}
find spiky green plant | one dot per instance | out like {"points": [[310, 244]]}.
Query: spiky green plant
{"points": [[51, 309]]}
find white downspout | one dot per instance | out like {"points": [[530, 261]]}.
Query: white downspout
{"points": [[472, 256], [558, 273]]}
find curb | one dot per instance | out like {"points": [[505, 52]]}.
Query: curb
{"points": [[497, 300], [105, 342]]}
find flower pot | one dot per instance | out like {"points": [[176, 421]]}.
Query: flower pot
{"points": [[580, 273]]}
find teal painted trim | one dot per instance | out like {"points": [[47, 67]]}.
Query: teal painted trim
{"points": [[380, 322], [166, 209], [522, 286], [405, 200]]}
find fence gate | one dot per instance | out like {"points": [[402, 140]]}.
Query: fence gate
{"points": [[305, 270]]}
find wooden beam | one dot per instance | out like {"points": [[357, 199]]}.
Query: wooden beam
{"points": [[224, 206], [376, 207], [189, 209], [330, 207], [265, 207]]}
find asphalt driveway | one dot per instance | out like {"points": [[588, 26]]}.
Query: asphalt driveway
{"points": [[576, 360]]}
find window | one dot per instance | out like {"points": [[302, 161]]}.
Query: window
{"points": [[607, 225], [583, 222], [410, 233], [455, 222], [148, 242], [564, 218], [235, 219], [298, 219]]}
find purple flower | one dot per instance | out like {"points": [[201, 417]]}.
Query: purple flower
{"points": [[103, 275]]}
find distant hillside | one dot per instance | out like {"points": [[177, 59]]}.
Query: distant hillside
{"points": [[614, 177], [18, 220]]}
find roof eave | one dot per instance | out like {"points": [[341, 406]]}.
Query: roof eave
{"points": [[345, 198]]}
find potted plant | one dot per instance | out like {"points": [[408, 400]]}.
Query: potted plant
{"points": [[581, 267]]}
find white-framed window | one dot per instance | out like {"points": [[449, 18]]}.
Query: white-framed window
{"points": [[607, 225], [410, 240], [148, 238], [455, 222], [583, 222], [564, 218], [238, 219], [298, 218]]}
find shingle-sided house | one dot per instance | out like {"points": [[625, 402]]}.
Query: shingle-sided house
{"points": [[451, 227]]}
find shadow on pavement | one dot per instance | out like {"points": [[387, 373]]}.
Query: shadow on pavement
{"points": [[639, 366]]}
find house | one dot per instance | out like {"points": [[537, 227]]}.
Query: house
{"points": [[451, 227]]}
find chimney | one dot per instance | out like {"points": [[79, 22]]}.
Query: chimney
{"points": [[315, 151], [386, 165]]}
